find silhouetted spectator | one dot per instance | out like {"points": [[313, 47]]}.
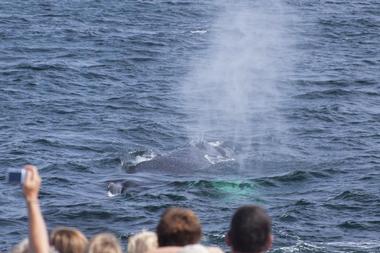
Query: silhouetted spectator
{"points": [[178, 227], [250, 230]]}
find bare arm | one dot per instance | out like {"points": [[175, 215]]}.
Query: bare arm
{"points": [[38, 236]]}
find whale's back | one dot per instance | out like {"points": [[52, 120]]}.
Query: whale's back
{"points": [[179, 161]]}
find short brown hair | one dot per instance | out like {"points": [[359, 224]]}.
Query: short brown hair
{"points": [[178, 227], [104, 243], [250, 229], [68, 240]]}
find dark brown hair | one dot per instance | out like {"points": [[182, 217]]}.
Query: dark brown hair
{"points": [[178, 227], [250, 230]]}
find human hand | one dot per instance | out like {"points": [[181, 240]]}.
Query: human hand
{"points": [[32, 183]]}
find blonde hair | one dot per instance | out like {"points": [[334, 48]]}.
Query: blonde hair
{"points": [[23, 247], [104, 243], [142, 242], [68, 240]]}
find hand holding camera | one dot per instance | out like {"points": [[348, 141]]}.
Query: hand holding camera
{"points": [[16, 176], [32, 183], [30, 180]]}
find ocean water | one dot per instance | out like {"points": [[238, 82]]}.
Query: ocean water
{"points": [[291, 86]]}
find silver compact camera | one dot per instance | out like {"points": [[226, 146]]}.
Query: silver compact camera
{"points": [[16, 176]]}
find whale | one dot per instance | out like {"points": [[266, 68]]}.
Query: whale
{"points": [[187, 160]]}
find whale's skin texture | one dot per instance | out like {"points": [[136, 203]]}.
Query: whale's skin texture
{"points": [[183, 161]]}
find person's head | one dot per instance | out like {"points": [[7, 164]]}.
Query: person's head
{"points": [[142, 242], [23, 247], [104, 243], [250, 230], [68, 240], [178, 227]]}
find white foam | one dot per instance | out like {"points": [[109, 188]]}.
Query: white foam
{"points": [[199, 31], [144, 158], [215, 143], [111, 195], [301, 247], [140, 158], [218, 159], [341, 247], [357, 245]]}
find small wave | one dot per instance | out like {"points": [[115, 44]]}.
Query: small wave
{"points": [[365, 245], [292, 176], [353, 225], [303, 202], [139, 41], [341, 207], [48, 142], [333, 93], [41, 66], [178, 2], [265, 182], [301, 247], [11, 223], [89, 214], [157, 208], [57, 180], [164, 197], [338, 247], [355, 195], [141, 59], [324, 94], [300, 175]]}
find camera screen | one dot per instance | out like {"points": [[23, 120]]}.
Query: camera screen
{"points": [[14, 177]]}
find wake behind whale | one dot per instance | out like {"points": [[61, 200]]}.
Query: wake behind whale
{"points": [[201, 157]]}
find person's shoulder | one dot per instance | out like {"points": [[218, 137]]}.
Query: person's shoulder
{"points": [[168, 249], [199, 248], [187, 249], [214, 250]]}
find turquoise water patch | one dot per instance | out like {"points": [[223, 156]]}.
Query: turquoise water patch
{"points": [[226, 190], [234, 187]]}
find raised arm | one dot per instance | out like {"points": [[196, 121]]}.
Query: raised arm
{"points": [[38, 236]]}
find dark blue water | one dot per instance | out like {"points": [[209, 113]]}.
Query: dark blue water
{"points": [[85, 83]]}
